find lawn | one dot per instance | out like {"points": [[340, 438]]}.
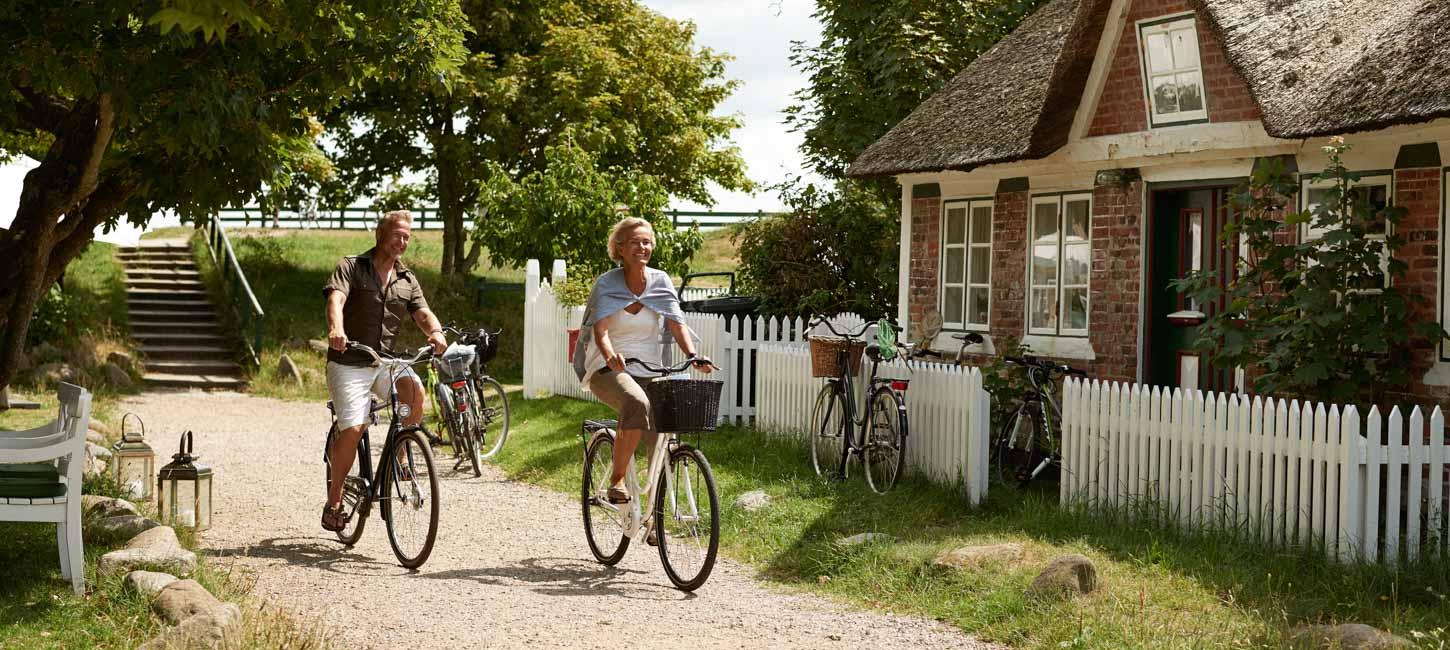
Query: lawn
{"points": [[1159, 588]]}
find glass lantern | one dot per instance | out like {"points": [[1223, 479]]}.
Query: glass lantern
{"points": [[134, 462], [183, 489]]}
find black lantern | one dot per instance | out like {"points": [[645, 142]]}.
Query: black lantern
{"points": [[183, 489]]}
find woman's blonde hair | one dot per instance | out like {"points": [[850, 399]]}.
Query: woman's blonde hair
{"points": [[620, 229]]}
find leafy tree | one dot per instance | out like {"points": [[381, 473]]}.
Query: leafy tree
{"points": [[527, 218], [877, 61], [609, 76], [1318, 318], [833, 251], [138, 107]]}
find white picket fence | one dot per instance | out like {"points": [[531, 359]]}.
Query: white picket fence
{"points": [[947, 411], [1363, 489]]}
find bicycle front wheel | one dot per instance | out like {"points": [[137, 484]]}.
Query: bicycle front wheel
{"points": [[828, 432], [1015, 447], [687, 518], [447, 410], [410, 498], [885, 440], [493, 418], [604, 522]]}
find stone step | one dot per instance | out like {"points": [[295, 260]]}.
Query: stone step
{"points": [[167, 296], [155, 316], [162, 274], [178, 264], [179, 306], [205, 381], [149, 283], [173, 328], [162, 351], [179, 338], [195, 367]]}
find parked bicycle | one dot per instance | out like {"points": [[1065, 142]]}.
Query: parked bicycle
{"points": [[683, 515], [1030, 440], [404, 484], [881, 445], [967, 339], [472, 405]]}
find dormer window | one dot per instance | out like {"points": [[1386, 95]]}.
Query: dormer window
{"points": [[1172, 70]]}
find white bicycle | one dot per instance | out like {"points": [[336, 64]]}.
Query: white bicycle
{"points": [[683, 515]]}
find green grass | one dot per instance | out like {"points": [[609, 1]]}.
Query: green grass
{"points": [[719, 253], [1159, 588]]}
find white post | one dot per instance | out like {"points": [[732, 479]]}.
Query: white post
{"points": [[1350, 541], [531, 333], [557, 275]]}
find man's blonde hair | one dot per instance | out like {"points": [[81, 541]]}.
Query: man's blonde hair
{"points": [[620, 229], [390, 220]]}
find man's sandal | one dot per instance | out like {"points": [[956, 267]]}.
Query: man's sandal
{"points": [[334, 519], [617, 496]]}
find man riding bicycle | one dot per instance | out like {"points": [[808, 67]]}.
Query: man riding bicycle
{"points": [[367, 298]]}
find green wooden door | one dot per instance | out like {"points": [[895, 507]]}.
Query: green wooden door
{"points": [[1184, 235]]}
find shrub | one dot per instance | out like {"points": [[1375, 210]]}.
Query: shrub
{"points": [[55, 319]]}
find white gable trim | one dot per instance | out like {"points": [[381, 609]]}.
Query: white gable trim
{"points": [[1102, 64]]}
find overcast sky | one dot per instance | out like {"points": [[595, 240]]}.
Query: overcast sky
{"points": [[757, 33]]}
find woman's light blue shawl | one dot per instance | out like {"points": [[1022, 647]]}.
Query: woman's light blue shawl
{"points": [[611, 293]]}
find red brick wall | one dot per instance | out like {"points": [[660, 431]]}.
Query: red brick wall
{"points": [[1418, 191], [1009, 264], [1122, 107], [1116, 278], [925, 257]]}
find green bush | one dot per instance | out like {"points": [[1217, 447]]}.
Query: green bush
{"points": [[55, 318]]}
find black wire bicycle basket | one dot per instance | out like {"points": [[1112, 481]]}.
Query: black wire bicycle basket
{"points": [[684, 405], [485, 346]]}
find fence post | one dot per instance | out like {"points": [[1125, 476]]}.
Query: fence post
{"points": [[1349, 542], [1374, 455], [1439, 529], [531, 329], [1416, 452], [1394, 449]]}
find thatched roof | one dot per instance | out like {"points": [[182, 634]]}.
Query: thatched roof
{"points": [[1320, 67], [1315, 68], [1014, 101]]}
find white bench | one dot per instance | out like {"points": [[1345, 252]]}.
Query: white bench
{"points": [[40, 477]]}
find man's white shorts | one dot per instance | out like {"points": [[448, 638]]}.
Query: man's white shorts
{"points": [[350, 386]]}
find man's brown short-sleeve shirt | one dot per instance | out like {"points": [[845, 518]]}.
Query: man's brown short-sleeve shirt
{"points": [[372, 314]]}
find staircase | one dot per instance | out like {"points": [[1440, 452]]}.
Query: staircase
{"points": [[174, 320]]}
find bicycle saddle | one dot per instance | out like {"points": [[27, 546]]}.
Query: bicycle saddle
{"points": [[595, 425]]}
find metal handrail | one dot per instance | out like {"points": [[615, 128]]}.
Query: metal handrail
{"points": [[234, 280], [426, 218]]}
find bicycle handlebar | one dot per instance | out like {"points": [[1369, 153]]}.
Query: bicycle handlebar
{"points": [[821, 320], [424, 353], [1029, 360], [465, 335], [669, 370]]}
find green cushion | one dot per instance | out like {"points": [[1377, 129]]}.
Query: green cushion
{"points": [[30, 488], [42, 471]]}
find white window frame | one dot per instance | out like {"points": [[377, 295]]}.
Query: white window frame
{"points": [[970, 250], [1385, 178], [1061, 200], [1169, 25]]}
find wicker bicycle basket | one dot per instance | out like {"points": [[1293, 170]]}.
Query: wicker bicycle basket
{"points": [[825, 355], [684, 405]]}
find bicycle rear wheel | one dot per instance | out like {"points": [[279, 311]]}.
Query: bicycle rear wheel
{"points": [[354, 491], [410, 498], [687, 518], [828, 432], [604, 522], [447, 410], [1016, 446], [885, 440], [469, 428], [493, 418]]}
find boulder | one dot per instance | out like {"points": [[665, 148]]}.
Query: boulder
{"points": [[122, 360], [287, 371], [157, 547], [95, 437], [753, 500], [183, 599], [55, 372], [318, 345], [104, 507], [1348, 636], [205, 630], [116, 376], [976, 557], [1069, 575], [124, 525], [864, 538], [84, 356], [148, 583], [100, 426], [93, 449]]}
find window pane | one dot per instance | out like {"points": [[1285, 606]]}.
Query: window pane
{"points": [[1044, 308], [956, 261], [1076, 300], [1044, 227], [956, 225], [1044, 265], [981, 225], [1077, 221], [1075, 264], [1185, 47], [1165, 95], [1160, 53], [952, 305], [977, 307], [980, 260], [1190, 92]]}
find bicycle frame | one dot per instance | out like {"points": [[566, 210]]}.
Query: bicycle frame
{"points": [[640, 521], [364, 446]]}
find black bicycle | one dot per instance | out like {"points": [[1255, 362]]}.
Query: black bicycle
{"points": [[1030, 440], [966, 339], [834, 418], [472, 405], [404, 485]]}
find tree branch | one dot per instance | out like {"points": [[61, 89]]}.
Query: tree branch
{"points": [[40, 111]]}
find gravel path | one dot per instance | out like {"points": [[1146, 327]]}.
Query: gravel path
{"points": [[510, 567]]}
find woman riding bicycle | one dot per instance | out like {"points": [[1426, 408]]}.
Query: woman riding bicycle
{"points": [[623, 320]]}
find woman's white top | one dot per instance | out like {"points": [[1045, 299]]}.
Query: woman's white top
{"points": [[632, 335]]}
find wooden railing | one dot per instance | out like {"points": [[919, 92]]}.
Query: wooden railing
{"points": [[250, 316]]}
